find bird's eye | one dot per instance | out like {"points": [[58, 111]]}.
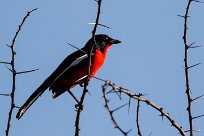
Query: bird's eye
{"points": [[107, 38]]}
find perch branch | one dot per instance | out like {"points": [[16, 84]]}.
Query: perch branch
{"points": [[153, 105], [85, 90]]}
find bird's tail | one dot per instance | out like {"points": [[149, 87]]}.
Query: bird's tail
{"points": [[33, 98]]}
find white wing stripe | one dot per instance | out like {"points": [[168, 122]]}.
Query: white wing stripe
{"points": [[81, 78]]}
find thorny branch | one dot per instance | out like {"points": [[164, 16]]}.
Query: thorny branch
{"points": [[111, 112], [153, 105], [13, 71], [137, 117], [186, 47], [85, 90]]}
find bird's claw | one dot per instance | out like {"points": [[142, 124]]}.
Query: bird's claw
{"points": [[79, 106], [81, 84]]}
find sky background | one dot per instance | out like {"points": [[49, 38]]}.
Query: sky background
{"points": [[149, 60]]}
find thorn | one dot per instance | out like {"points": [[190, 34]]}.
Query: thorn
{"points": [[194, 65], [197, 1], [194, 46], [79, 106], [190, 45], [120, 95], [111, 91], [162, 115], [99, 79], [3, 62], [198, 116], [76, 48], [9, 69], [193, 100], [33, 10], [73, 96], [5, 94], [119, 107], [8, 45], [27, 71], [181, 16], [193, 131], [114, 91], [187, 108], [129, 105], [17, 107], [129, 131], [147, 102], [140, 94], [88, 92], [99, 25]]}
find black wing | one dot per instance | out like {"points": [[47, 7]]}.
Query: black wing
{"points": [[47, 83]]}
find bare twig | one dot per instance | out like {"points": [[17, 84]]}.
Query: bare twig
{"points": [[188, 91], [75, 47], [111, 112], [85, 90], [13, 71], [79, 109], [153, 105], [137, 118]]}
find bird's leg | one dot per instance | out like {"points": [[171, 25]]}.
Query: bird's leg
{"points": [[82, 84], [79, 106], [73, 96]]}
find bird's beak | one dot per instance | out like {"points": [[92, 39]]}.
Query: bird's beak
{"points": [[114, 41]]}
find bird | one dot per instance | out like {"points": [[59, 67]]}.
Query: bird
{"points": [[73, 69]]}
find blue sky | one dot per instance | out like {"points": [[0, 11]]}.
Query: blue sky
{"points": [[149, 60]]}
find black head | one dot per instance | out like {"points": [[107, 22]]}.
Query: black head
{"points": [[102, 41]]}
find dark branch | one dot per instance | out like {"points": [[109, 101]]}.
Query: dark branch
{"points": [[137, 119], [85, 90], [111, 112], [153, 105], [20, 26], [79, 109], [188, 91], [12, 95]]}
